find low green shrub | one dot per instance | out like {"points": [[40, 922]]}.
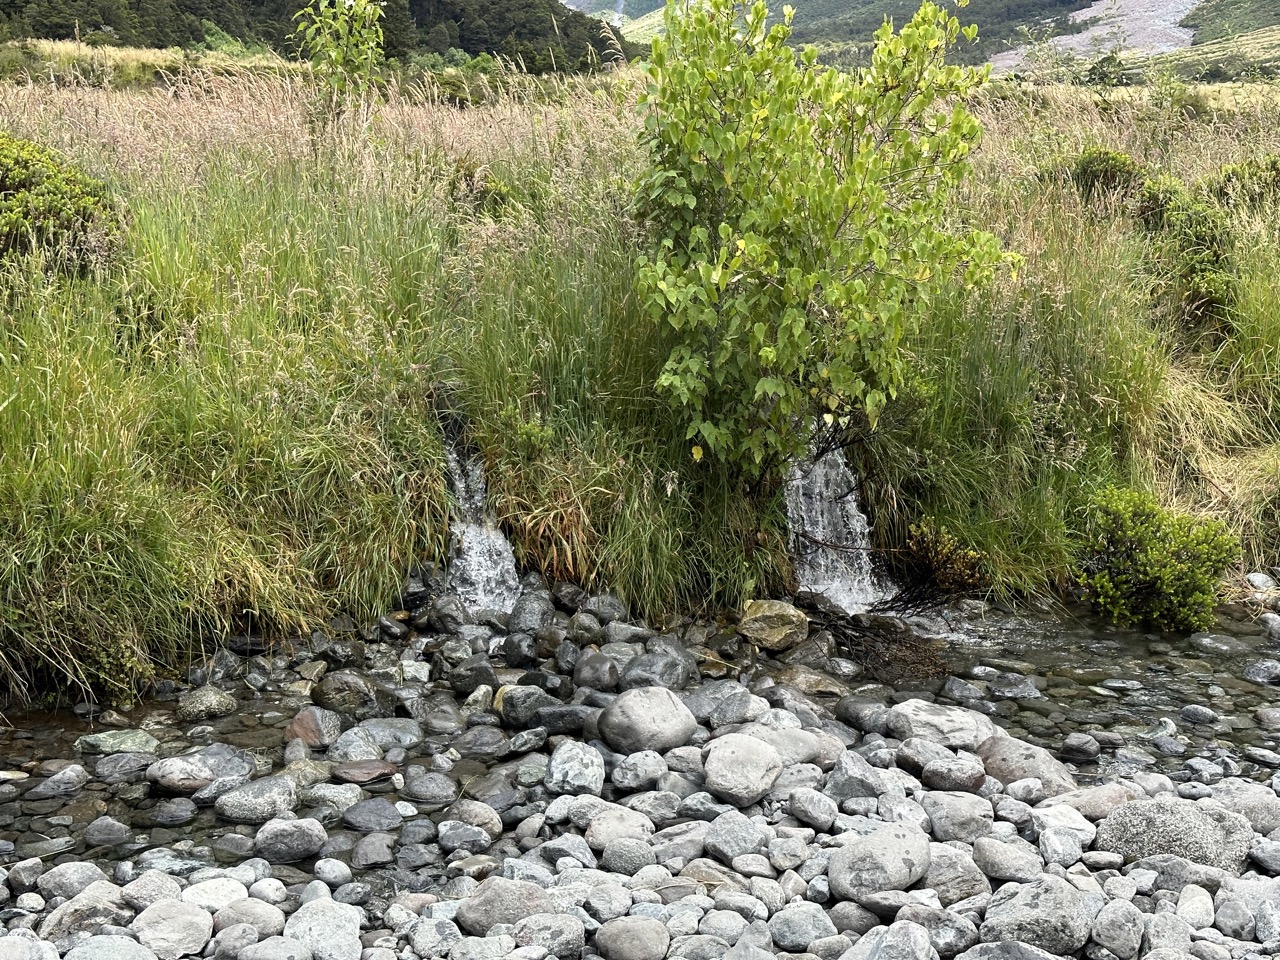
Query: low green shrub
{"points": [[47, 203], [1195, 246], [936, 556], [1101, 172], [1252, 183], [1146, 566]]}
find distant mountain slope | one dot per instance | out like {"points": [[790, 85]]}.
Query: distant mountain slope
{"points": [[1222, 19], [849, 24]]}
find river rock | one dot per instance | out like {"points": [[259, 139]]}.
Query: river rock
{"points": [[288, 841], [1050, 914], [499, 900], [575, 768], [353, 695], [953, 727], [1119, 927], [330, 930], [113, 947], [633, 938], [314, 726], [259, 800], [561, 935], [66, 880], [1166, 824], [189, 772], [117, 741], [646, 718], [893, 857], [171, 929], [1008, 759], [203, 703], [772, 624], [266, 918], [740, 769]]}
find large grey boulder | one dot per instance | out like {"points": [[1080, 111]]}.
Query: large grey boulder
{"points": [[740, 769], [288, 841], [633, 938], [188, 772], [560, 934], [1008, 760], [498, 900], [330, 930], [950, 726], [575, 768], [1256, 802], [1050, 914], [171, 929], [1119, 927], [1166, 824], [646, 718], [891, 858], [901, 940], [958, 816], [953, 875], [259, 800]]}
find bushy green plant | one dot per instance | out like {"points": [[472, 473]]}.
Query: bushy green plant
{"points": [[1251, 184], [1100, 171], [1147, 566], [47, 203], [1195, 246], [343, 41], [935, 555], [799, 216]]}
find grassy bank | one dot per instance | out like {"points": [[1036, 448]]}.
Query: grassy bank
{"points": [[234, 426]]}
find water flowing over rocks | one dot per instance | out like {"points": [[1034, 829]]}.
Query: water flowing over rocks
{"points": [[562, 781]]}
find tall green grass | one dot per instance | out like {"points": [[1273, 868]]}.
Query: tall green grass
{"points": [[235, 426]]}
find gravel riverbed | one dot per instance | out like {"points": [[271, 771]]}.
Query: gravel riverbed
{"points": [[564, 781]]}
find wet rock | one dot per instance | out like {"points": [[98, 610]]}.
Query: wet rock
{"points": [[117, 741], [1167, 824], [204, 703], [107, 832], [656, 670], [66, 781], [772, 624], [1264, 672], [373, 815], [189, 772], [353, 695], [646, 718], [259, 800], [1080, 746]]}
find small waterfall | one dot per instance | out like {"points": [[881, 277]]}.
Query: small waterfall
{"points": [[482, 568], [830, 535]]}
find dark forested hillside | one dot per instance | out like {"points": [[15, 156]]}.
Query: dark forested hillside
{"points": [[542, 34]]}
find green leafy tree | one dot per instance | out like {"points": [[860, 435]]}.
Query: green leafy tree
{"points": [[800, 219], [343, 41]]}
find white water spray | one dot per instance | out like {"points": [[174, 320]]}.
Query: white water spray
{"points": [[482, 568], [830, 535]]}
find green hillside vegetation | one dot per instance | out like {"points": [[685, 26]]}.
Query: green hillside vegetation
{"points": [[1248, 55], [1222, 19], [540, 35], [843, 28]]}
